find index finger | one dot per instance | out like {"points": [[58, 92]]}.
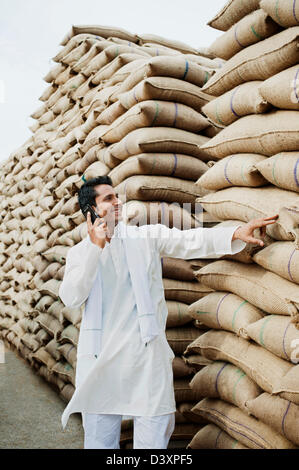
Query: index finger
{"points": [[88, 218]]}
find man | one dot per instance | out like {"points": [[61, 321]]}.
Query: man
{"points": [[124, 362]]}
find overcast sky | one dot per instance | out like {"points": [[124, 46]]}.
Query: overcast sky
{"points": [[31, 30]]}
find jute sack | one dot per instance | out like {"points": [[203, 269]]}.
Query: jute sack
{"points": [[267, 291], [263, 367], [111, 113], [254, 27], [266, 134], [213, 437], [240, 101], [183, 392], [281, 258], [232, 12], [50, 287], [177, 314], [256, 62], [64, 371], [56, 253], [174, 67], [277, 334], [52, 348], [102, 31], [185, 410], [94, 170], [180, 368], [70, 334], [172, 215], [287, 386], [69, 352], [179, 338], [281, 170], [166, 164], [67, 392], [73, 315], [233, 170], [224, 380], [183, 291], [175, 268], [111, 68], [42, 355], [162, 140], [164, 89], [50, 324], [178, 45], [248, 430], [279, 414], [106, 56], [158, 188], [285, 13], [155, 113], [282, 90], [195, 360], [125, 71], [225, 311], [249, 203]]}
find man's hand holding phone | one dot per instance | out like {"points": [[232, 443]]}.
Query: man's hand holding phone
{"points": [[98, 230]]}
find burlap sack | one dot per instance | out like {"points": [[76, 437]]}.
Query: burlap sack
{"points": [[166, 164], [50, 287], [227, 311], [56, 310], [102, 31], [159, 139], [232, 12], [76, 54], [111, 68], [277, 334], [183, 392], [174, 67], [256, 62], [42, 356], [233, 170], [106, 56], [158, 188], [180, 269], [177, 314], [50, 272], [64, 371], [111, 113], [253, 28], [178, 45], [264, 289], [155, 113], [281, 170], [249, 203], [284, 13], [194, 359], [125, 71], [50, 324], [240, 101], [225, 381], [281, 258], [263, 367], [69, 352], [287, 386], [52, 348], [73, 315], [172, 215], [179, 338], [70, 334], [183, 291], [279, 414], [185, 410], [282, 90], [164, 89], [213, 437], [180, 368], [56, 253], [94, 170], [266, 134], [67, 392], [249, 431]]}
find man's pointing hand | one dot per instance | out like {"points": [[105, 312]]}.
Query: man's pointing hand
{"points": [[245, 233]]}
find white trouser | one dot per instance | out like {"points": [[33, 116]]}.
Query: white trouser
{"points": [[102, 431]]}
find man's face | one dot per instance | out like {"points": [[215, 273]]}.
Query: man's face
{"points": [[107, 201]]}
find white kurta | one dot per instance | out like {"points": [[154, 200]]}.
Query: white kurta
{"points": [[128, 377]]}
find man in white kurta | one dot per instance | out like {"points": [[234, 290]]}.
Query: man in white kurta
{"points": [[118, 372]]}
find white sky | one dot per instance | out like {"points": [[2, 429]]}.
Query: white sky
{"points": [[31, 30]]}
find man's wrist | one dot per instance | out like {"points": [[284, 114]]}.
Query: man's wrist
{"points": [[236, 234]]}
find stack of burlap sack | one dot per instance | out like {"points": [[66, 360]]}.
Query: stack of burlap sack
{"points": [[116, 104], [250, 390]]}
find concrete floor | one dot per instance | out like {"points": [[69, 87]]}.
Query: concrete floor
{"points": [[30, 410]]}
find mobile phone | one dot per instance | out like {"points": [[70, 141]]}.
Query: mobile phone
{"points": [[93, 214]]}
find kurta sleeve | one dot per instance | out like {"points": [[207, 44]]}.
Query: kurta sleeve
{"points": [[80, 273], [196, 243]]}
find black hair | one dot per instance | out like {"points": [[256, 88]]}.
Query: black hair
{"points": [[87, 193]]}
